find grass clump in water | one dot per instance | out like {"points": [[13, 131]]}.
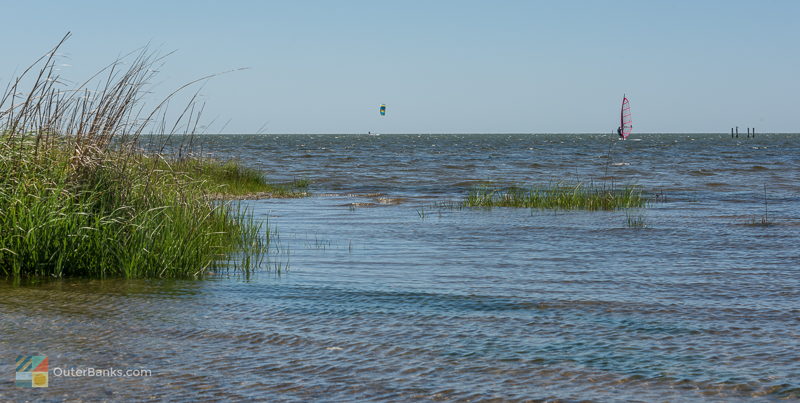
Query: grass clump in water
{"points": [[559, 196], [635, 221], [112, 221], [232, 180], [79, 198]]}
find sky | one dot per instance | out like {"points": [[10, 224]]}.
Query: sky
{"points": [[443, 66]]}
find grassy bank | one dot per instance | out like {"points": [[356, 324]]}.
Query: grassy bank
{"points": [[78, 197], [561, 196]]}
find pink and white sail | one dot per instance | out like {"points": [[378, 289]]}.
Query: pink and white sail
{"points": [[625, 121]]}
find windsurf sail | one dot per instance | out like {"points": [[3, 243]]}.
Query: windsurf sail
{"points": [[625, 121], [383, 109]]}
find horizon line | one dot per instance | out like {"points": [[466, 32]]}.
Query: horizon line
{"points": [[446, 133]]}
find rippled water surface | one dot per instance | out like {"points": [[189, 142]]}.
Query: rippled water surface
{"points": [[388, 297]]}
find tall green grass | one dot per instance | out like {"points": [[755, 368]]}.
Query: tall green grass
{"points": [[561, 196], [78, 197], [113, 219]]}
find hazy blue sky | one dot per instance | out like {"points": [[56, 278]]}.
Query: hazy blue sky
{"points": [[446, 66]]}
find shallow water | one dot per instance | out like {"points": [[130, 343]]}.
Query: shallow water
{"points": [[390, 298]]}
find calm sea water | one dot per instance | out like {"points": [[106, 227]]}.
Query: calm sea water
{"points": [[389, 298]]}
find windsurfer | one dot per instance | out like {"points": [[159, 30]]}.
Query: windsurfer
{"points": [[619, 131]]}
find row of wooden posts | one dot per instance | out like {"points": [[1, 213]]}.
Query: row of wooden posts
{"points": [[748, 132]]}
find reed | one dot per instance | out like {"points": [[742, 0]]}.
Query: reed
{"points": [[635, 221], [764, 220], [562, 196], [78, 197]]}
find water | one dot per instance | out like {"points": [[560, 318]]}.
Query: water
{"points": [[389, 298]]}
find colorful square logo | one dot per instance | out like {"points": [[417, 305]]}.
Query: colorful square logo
{"points": [[32, 371]]}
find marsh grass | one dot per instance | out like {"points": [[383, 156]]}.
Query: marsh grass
{"points": [[561, 196], [230, 179], [114, 220], [78, 197], [635, 221]]}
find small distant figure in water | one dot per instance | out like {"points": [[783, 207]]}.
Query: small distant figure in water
{"points": [[369, 133], [619, 131]]}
